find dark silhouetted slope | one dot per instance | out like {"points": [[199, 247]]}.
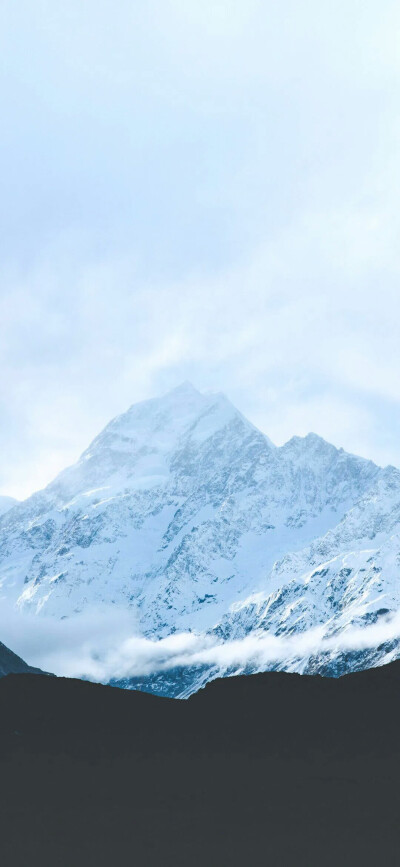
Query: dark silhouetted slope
{"points": [[10, 663], [272, 769]]}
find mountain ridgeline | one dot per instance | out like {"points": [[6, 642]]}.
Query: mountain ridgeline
{"points": [[186, 516]]}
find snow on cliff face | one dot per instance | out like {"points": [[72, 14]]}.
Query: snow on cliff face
{"points": [[177, 508], [187, 515]]}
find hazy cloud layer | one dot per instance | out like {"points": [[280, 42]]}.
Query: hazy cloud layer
{"points": [[204, 190], [101, 645]]}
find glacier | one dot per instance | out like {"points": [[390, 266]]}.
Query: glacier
{"points": [[185, 515]]}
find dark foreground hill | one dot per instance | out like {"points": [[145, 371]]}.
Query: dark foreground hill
{"points": [[10, 663], [273, 769]]}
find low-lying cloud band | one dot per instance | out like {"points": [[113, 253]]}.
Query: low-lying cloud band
{"points": [[101, 645]]}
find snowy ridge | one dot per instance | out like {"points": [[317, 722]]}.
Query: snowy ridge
{"points": [[185, 514]]}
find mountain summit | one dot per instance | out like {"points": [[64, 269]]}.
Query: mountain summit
{"points": [[186, 515]]}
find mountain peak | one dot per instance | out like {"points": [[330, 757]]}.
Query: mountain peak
{"points": [[141, 444], [311, 441], [185, 388], [170, 416]]}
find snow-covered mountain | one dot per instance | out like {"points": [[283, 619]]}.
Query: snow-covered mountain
{"points": [[185, 514]]}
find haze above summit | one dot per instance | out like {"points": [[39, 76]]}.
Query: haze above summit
{"points": [[204, 191]]}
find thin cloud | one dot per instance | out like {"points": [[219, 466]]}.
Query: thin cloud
{"points": [[101, 645]]}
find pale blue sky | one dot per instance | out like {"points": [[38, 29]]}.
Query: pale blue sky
{"points": [[203, 190]]}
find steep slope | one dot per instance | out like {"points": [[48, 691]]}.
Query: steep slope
{"points": [[350, 577], [10, 663], [178, 508], [273, 769]]}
